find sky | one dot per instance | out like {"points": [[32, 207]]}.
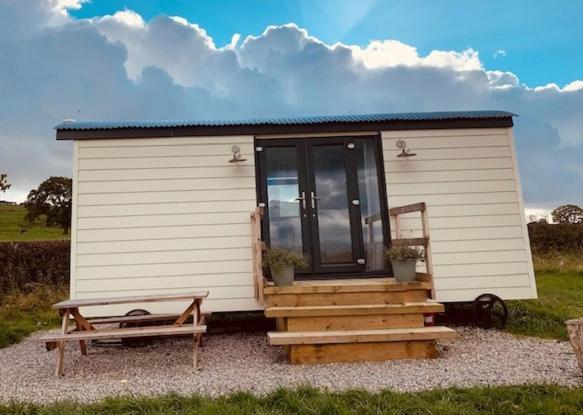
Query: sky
{"points": [[138, 59]]}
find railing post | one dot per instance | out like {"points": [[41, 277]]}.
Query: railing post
{"points": [[428, 256], [257, 247]]}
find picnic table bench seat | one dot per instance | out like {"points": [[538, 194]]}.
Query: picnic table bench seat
{"points": [[85, 330], [103, 334], [133, 319]]}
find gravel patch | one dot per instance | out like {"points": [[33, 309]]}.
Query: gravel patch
{"points": [[245, 362]]}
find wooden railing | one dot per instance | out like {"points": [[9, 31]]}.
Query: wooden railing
{"points": [[258, 247], [423, 241]]}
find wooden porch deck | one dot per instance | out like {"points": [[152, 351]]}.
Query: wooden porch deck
{"points": [[344, 285]]}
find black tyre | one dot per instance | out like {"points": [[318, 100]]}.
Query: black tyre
{"points": [[136, 341], [489, 312]]}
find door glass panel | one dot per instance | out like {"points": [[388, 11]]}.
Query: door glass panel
{"points": [[370, 204], [285, 228], [332, 205]]}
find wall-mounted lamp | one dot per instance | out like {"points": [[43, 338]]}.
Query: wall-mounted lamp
{"points": [[405, 152], [237, 157]]}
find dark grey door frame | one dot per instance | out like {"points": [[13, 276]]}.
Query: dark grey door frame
{"points": [[304, 147]]}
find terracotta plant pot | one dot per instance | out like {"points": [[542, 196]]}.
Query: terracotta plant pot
{"points": [[284, 277], [404, 271]]}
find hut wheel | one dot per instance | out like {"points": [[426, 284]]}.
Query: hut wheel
{"points": [[489, 311], [136, 341]]}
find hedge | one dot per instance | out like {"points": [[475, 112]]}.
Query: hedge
{"points": [[24, 265], [546, 238]]}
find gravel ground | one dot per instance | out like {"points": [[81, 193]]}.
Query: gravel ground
{"points": [[246, 362]]}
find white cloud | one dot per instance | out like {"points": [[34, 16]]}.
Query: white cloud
{"points": [[553, 87], [59, 10], [128, 18], [573, 86], [391, 53], [502, 79], [182, 49], [234, 41], [500, 53], [122, 67]]}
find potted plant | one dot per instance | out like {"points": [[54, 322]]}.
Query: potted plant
{"points": [[282, 263], [404, 261]]}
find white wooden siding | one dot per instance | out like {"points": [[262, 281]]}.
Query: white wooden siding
{"points": [[170, 214], [163, 215], [469, 180]]}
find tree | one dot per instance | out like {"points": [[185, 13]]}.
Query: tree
{"points": [[52, 199], [4, 185], [568, 214]]}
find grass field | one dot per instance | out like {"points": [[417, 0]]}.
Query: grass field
{"points": [[559, 280], [12, 224], [21, 314], [510, 400]]}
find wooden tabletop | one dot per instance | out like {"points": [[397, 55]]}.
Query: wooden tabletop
{"points": [[85, 302]]}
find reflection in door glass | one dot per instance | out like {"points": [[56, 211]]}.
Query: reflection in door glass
{"points": [[370, 204], [332, 205], [285, 229]]}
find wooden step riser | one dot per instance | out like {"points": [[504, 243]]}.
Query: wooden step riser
{"points": [[345, 286], [354, 310], [358, 352], [355, 298], [367, 322]]}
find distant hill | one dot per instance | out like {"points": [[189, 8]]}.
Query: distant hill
{"points": [[13, 226]]}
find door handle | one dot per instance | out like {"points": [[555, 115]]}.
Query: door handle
{"points": [[313, 199], [303, 199]]}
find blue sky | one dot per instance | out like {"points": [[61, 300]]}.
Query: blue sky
{"points": [[138, 59], [543, 40]]}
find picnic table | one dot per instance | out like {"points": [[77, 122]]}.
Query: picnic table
{"points": [[84, 328]]}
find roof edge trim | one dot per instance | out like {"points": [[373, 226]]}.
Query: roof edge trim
{"points": [[470, 119]]}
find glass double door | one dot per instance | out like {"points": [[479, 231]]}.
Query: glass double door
{"points": [[323, 199]]}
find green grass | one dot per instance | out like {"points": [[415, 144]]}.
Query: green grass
{"points": [[559, 281], [12, 223], [23, 314], [509, 400]]}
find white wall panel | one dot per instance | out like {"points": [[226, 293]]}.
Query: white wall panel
{"points": [[468, 178], [164, 215]]}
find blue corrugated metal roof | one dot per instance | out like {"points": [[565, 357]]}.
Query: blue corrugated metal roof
{"points": [[406, 116]]}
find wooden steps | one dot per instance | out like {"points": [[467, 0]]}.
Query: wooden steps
{"points": [[360, 345], [360, 352], [354, 320], [346, 285], [360, 336], [355, 309], [352, 317], [346, 292]]}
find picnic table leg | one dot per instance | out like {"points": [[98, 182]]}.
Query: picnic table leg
{"points": [[200, 321], [81, 325], [82, 345], [60, 368], [195, 316]]}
